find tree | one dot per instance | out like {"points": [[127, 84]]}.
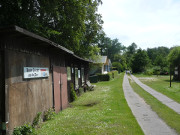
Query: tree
{"points": [[109, 47], [174, 60], [153, 53], [130, 51], [122, 60], [74, 24], [118, 66], [161, 61], [139, 61]]}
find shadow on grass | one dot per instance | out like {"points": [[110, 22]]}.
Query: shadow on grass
{"points": [[172, 81], [87, 104]]}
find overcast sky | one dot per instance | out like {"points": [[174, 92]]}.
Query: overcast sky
{"points": [[148, 23]]}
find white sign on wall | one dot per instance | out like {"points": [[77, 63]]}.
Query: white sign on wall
{"points": [[35, 72]]}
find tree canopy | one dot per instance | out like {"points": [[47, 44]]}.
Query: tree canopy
{"points": [[74, 24], [174, 56], [139, 61]]}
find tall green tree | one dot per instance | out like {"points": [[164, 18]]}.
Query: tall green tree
{"points": [[153, 53], [110, 47], [174, 60], [161, 62], [74, 24], [139, 61], [130, 51]]}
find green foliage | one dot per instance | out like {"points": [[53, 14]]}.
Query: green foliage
{"points": [[37, 120], [156, 70], [114, 74], [140, 61], [103, 77], [74, 24], [174, 56], [110, 47], [73, 95], [149, 72], [49, 114], [26, 129], [155, 53], [119, 66], [81, 91], [93, 78]]}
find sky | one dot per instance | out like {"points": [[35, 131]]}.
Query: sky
{"points": [[148, 23]]}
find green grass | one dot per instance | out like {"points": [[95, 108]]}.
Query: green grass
{"points": [[103, 111], [162, 85], [167, 114]]}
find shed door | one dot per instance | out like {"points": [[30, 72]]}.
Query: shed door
{"points": [[64, 92], [60, 88]]}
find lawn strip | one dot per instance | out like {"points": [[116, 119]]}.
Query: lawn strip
{"points": [[168, 115], [103, 111], [162, 85]]}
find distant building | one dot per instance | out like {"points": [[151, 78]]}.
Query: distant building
{"points": [[103, 65]]}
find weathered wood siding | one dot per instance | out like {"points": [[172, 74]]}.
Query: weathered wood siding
{"points": [[2, 92], [27, 97]]}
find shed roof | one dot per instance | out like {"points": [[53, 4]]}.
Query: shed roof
{"points": [[15, 31]]}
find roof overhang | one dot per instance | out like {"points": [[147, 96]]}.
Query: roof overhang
{"points": [[15, 31]]}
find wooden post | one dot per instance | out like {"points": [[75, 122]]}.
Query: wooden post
{"points": [[170, 75]]}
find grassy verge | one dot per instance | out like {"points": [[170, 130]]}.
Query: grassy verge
{"points": [[162, 85], [167, 114], [103, 111]]}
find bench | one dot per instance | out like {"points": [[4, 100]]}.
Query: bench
{"points": [[90, 86]]}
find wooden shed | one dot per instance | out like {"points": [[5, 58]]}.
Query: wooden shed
{"points": [[35, 75]]}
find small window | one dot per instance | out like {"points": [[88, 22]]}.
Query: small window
{"points": [[73, 70], [76, 78], [82, 74], [79, 73], [68, 73]]}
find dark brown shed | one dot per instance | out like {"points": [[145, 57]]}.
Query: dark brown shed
{"points": [[22, 97]]}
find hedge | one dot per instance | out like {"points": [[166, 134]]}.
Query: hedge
{"points": [[103, 77], [93, 79]]}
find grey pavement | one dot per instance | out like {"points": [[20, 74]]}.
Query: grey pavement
{"points": [[162, 98], [148, 120]]}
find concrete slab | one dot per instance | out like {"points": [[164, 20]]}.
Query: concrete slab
{"points": [[149, 121], [162, 98]]}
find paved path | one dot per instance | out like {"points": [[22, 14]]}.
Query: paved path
{"points": [[149, 121], [162, 98]]}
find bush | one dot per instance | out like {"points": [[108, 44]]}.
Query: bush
{"points": [[81, 90], [156, 70], [73, 95], [149, 72], [49, 114], [103, 77], [37, 119], [93, 79], [114, 74], [26, 129]]}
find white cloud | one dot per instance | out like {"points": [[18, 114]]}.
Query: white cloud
{"points": [[148, 23]]}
